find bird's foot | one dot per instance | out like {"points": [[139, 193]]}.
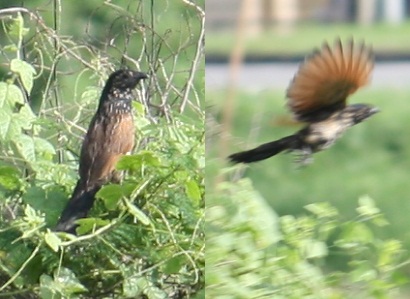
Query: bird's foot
{"points": [[304, 157]]}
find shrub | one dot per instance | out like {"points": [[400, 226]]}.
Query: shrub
{"points": [[144, 237], [254, 253]]}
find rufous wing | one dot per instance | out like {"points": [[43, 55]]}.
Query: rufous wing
{"points": [[327, 77]]}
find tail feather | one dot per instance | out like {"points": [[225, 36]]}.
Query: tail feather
{"points": [[264, 151], [77, 207]]}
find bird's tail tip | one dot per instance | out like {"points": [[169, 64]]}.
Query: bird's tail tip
{"points": [[264, 151], [77, 207], [67, 226], [237, 158]]}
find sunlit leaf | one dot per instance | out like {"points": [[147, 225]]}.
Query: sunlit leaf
{"points": [[193, 191], [136, 161], [25, 146], [68, 282], [26, 72], [52, 240], [44, 147], [10, 178], [137, 213]]}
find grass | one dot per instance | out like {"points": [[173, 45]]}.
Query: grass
{"points": [[370, 159], [385, 38]]}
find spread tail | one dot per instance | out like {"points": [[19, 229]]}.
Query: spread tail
{"points": [[264, 151], [77, 207]]}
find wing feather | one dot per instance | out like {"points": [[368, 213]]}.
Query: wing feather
{"points": [[328, 77]]}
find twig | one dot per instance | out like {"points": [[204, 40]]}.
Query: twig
{"points": [[198, 55]]}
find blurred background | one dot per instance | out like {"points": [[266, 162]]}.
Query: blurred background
{"points": [[253, 50]]}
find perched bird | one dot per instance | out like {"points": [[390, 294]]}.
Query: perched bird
{"points": [[110, 135], [317, 96]]}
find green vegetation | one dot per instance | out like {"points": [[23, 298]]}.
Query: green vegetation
{"points": [[304, 37], [253, 253], [144, 238]]}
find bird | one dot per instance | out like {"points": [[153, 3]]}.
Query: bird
{"points": [[317, 96], [109, 136]]}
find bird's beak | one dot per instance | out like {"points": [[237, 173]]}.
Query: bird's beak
{"points": [[141, 75], [374, 110]]}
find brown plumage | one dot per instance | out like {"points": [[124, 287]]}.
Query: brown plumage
{"points": [[110, 135], [317, 95]]}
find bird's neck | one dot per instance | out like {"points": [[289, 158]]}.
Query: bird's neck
{"points": [[116, 103]]}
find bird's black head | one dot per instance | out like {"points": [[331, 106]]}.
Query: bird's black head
{"points": [[117, 93], [123, 80], [360, 112]]}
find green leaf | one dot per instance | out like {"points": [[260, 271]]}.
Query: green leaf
{"points": [[137, 213], [5, 123], [10, 178], [51, 202], [33, 194], [254, 211], [137, 161], [33, 219], [141, 122], [52, 240], [363, 271], [3, 93], [10, 48], [14, 95], [367, 206], [68, 282], [322, 210], [88, 224], [389, 252], [174, 265], [25, 146], [130, 286], [16, 29], [369, 211], [11, 124], [139, 108], [149, 289], [48, 288], [26, 72], [192, 191], [45, 148], [130, 289], [355, 234], [111, 195], [25, 117], [315, 249]]}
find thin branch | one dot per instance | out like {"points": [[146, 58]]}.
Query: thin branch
{"points": [[198, 55]]}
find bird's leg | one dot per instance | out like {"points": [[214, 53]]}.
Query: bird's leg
{"points": [[305, 156]]}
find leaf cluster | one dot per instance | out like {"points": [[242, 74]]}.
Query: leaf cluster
{"points": [[254, 253]]}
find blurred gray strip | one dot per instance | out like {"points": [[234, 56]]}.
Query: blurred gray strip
{"points": [[258, 76]]}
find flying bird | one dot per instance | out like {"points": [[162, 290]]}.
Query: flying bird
{"points": [[110, 135], [317, 96]]}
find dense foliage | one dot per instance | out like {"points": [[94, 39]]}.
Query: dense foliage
{"points": [[254, 253], [144, 238]]}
